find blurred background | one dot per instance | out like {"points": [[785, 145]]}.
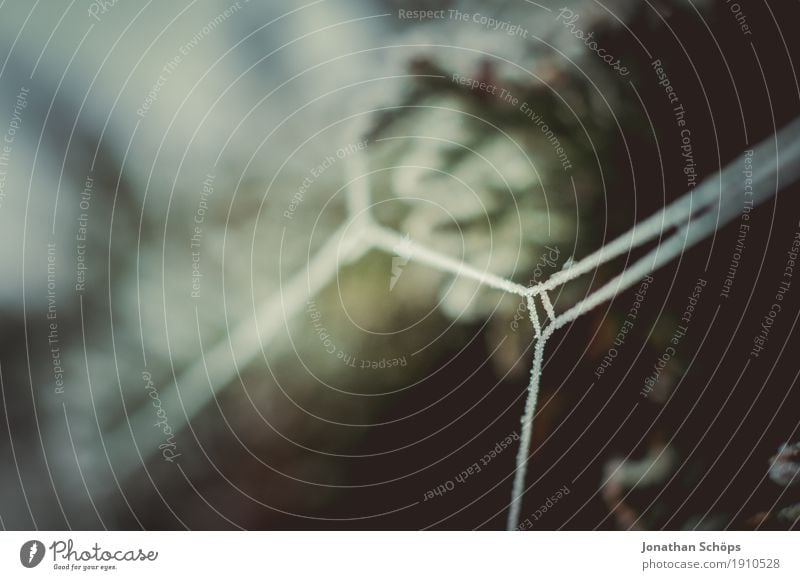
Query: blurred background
{"points": [[173, 355]]}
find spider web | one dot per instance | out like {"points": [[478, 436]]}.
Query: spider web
{"points": [[677, 227]]}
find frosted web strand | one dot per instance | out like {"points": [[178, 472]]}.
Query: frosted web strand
{"points": [[534, 316], [785, 168], [548, 306], [526, 423], [709, 194], [393, 243]]}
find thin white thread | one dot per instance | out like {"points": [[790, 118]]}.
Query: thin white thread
{"points": [[526, 421], [707, 196], [534, 316], [548, 306], [393, 243]]}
